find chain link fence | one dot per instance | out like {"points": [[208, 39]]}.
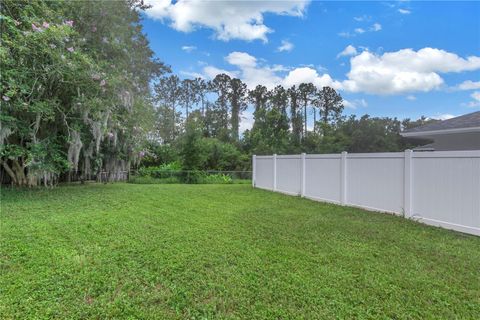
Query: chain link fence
{"points": [[190, 176], [102, 176], [152, 177]]}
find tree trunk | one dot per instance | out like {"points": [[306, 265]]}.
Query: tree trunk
{"points": [[19, 173], [10, 172], [173, 123], [235, 120], [305, 120], [325, 115]]}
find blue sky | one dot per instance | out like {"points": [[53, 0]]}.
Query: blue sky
{"points": [[400, 59]]}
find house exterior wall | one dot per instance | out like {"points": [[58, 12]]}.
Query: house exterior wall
{"points": [[455, 141]]}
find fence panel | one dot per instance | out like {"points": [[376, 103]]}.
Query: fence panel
{"points": [[289, 174], [264, 172], [322, 178], [438, 188], [375, 181], [446, 190]]}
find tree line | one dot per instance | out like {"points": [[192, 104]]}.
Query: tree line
{"points": [[198, 118], [221, 102]]}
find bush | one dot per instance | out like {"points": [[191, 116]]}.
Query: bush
{"points": [[150, 180], [189, 177], [162, 171], [218, 179], [158, 154], [193, 177]]}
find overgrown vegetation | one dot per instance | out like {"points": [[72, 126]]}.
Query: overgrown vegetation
{"points": [[124, 251], [171, 173], [74, 88]]}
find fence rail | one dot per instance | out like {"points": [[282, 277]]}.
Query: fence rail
{"points": [[440, 188]]}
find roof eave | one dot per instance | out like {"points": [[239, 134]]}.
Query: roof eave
{"points": [[438, 132]]}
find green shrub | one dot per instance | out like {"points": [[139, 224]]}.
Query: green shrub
{"points": [[159, 153], [169, 174], [167, 170], [193, 177], [150, 180], [218, 179]]}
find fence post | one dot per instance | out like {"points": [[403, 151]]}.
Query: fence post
{"points": [[254, 169], [407, 200], [303, 178], [274, 158], [343, 177]]}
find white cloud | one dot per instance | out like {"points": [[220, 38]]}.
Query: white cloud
{"points": [[345, 34], [189, 48], [210, 72], [404, 71], [468, 85], [376, 27], [411, 97], [321, 68], [285, 46], [362, 18], [444, 116], [249, 70], [348, 104], [353, 104], [476, 96], [241, 59], [253, 73], [404, 11], [191, 74], [348, 51], [476, 100], [401, 72], [306, 75], [230, 19]]}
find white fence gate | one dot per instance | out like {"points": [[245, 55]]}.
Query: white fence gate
{"points": [[439, 188]]}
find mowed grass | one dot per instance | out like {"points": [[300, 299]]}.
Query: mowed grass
{"points": [[224, 251]]}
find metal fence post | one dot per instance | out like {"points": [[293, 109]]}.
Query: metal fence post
{"points": [[254, 171], [407, 203], [343, 177], [274, 172], [302, 188]]}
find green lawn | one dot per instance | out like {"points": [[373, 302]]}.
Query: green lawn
{"points": [[224, 251]]}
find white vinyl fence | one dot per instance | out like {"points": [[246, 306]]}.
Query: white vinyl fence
{"points": [[439, 188]]}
